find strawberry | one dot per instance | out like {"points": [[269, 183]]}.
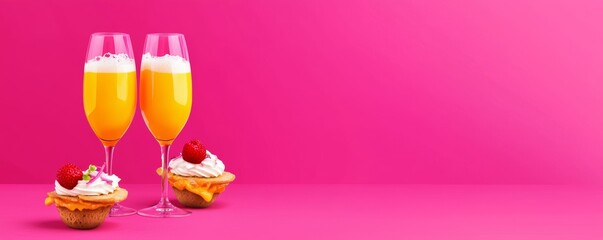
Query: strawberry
{"points": [[193, 152], [68, 175]]}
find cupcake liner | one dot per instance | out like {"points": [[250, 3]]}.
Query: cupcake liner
{"points": [[84, 219], [192, 200]]}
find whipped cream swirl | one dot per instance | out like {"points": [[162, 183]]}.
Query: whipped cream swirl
{"points": [[96, 188], [211, 166]]}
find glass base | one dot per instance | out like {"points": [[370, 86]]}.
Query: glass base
{"points": [[163, 210], [119, 210]]}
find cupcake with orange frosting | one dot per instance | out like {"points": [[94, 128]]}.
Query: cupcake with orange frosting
{"points": [[84, 198], [197, 176]]}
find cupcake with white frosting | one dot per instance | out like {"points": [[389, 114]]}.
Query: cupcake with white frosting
{"points": [[197, 176], [84, 198]]}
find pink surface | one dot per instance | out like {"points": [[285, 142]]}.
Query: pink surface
{"points": [[320, 211], [326, 91]]}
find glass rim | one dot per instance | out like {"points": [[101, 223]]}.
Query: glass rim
{"points": [[165, 34], [109, 34]]}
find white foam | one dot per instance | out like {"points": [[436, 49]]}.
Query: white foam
{"points": [[166, 64], [110, 63]]}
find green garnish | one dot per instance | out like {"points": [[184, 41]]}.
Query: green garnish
{"points": [[91, 169]]}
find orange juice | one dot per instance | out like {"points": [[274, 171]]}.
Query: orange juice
{"points": [[165, 98], [109, 101]]}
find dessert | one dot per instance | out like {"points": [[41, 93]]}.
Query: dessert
{"points": [[84, 198], [197, 176]]}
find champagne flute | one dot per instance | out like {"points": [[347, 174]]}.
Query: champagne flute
{"points": [[165, 102], [110, 94]]}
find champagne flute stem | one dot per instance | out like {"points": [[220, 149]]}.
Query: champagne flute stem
{"points": [[109, 159], [165, 150]]}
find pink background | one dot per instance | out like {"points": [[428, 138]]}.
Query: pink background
{"points": [[326, 91]]}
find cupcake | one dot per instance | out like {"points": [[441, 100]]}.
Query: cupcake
{"points": [[197, 176], [84, 198]]}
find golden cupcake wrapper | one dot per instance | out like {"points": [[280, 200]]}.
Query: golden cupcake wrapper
{"points": [[84, 219], [192, 200]]}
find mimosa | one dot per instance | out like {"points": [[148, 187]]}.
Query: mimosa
{"points": [[166, 96], [110, 94]]}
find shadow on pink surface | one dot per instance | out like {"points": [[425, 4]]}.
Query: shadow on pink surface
{"points": [[54, 224]]}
